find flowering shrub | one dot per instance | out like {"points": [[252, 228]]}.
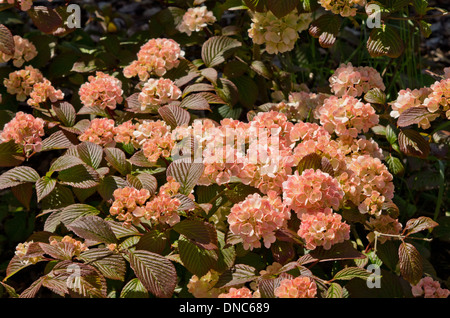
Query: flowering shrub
{"points": [[221, 151]]}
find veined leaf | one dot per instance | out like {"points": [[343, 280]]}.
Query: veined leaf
{"points": [[108, 185], [18, 175], [217, 48], [237, 275], [65, 112], [415, 115], [11, 154], [326, 29], [175, 116], [57, 140], [111, 265], [45, 19], [410, 261], [7, 45], [352, 272], [157, 273], [195, 102], [385, 41], [93, 228], [281, 8], [200, 233], [419, 224], [335, 291], [79, 176], [412, 143], [44, 186], [134, 289], [118, 160], [186, 173], [197, 260]]}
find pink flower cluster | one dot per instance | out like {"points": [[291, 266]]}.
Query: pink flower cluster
{"points": [[242, 292], [154, 138], [195, 19], [69, 244], [299, 287], [311, 192], [345, 8], [21, 82], [44, 91], [25, 130], [157, 92], [300, 105], [408, 98], [323, 229], [22, 254], [24, 51], [101, 90], [347, 116], [354, 81], [429, 288], [100, 132], [157, 56], [439, 98], [258, 218]]}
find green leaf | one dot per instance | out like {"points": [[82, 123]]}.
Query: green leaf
{"points": [[326, 29], [65, 162], [420, 6], [93, 228], [352, 272], [60, 197], [11, 154], [281, 8], [157, 273], [217, 48], [153, 241], [7, 45], [385, 41], [18, 175], [134, 289], [237, 275], [186, 173], [44, 186], [255, 5], [76, 211], [79, 176], [375, 96], [335, 291], [65, 112], [198, 232], [118, 160], [197, 260], [410, 261], [111, 265], [395, 165]]}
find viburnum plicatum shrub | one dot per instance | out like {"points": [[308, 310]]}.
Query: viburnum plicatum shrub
{"points": [[184, 164]]}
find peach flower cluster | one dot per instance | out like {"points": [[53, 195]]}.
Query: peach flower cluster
{"points": [[242, 292], [408, 98], [25, 130], [157, 56], [129, 204], [100, 132], [355, 81], [44, 91], [21, 253], [24, 51], [345, 8], [25, 5], [298, 287], [21, 82], [68, 243], [163, 209], [311, 192], [203, 287], [195, 19], [258, 218], [278, 34], [101, 90], [347, 116], [323, 229], [439, 98], [429, 288], [300, 105], [157, 92]]}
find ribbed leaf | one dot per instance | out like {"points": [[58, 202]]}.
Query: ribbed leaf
{"points": [[134, 289], [186, 173], [352, 272], [412, 143], [118, 160], [281, 8], [153, 241], [73, 212], [267, 286], [195, 102], [326, 29], [108, 185], [217, 48], [65, 112], [79, 176], [237, 275], [45, 19], [7, 45], [310, 161], [197, 260], [414, 115], [11, 154], [140, 160], [419, 224], [57, 140], [17, 176], [156, 272], [375, 96], [410, 261], [385, 41], [23, 193], [90, 153], [395, 165], [198, 232], [65, 162], [93, 228], [335, 291], [44, 186], [143, 181], [174, 115], [108, 263]]}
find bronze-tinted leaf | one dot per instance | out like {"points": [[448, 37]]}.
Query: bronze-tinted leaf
{"points": [[410, 261], [385, 41], [6, 41], [412, 143]]}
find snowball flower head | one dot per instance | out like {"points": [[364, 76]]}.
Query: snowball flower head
{"points": [[157, 92], [157, 56], [429, 288], [44, 91], [323, 229], [312, 191], [354, 81], [101, 90], [100, 132], [195, 19], [242, 292], [299, 287], [21, 82], [25, 130], [258, 218], [24, 51], [347, 116], [278, 34]]}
